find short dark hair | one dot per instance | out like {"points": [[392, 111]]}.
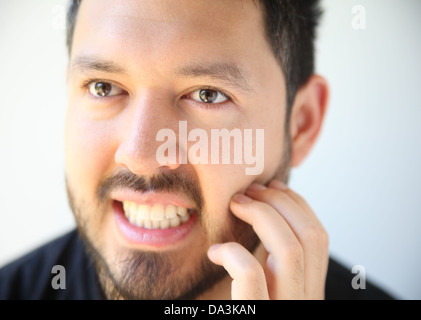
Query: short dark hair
{"points": [[290, 29]]}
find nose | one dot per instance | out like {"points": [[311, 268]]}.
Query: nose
{"points": [[145, 117]]}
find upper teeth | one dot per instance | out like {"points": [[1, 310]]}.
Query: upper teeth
{"points": [[156, 216]]}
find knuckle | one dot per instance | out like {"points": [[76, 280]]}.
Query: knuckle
{"points": [[293, 252], [325, 239], [316, 236]]}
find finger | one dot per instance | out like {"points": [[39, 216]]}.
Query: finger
{"points": [[300, 217], [249, 282], [279, 240], [279, 185], [308, 229]]}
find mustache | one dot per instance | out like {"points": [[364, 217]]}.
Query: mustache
{"points": [[169, 181]]}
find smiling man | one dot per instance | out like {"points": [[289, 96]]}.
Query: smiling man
{"points": [[149, 229]]}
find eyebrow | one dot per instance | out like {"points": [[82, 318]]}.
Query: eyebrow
{"points": [[87, 63], [229, 73]]}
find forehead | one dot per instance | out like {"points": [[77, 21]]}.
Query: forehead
{"points": [[169, 29]]}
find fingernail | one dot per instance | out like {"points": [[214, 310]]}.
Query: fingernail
{"points": [[256, 187], [214, 247], [277, 184], [241, 198]]}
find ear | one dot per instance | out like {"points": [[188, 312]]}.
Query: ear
{"points": [[307, 116]]}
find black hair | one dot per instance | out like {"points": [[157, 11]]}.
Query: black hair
{"points": [[290, 29]]}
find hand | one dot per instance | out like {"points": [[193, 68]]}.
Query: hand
{"points": [[294, 239]]}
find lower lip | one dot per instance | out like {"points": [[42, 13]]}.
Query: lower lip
{"points": [[151, 237]]}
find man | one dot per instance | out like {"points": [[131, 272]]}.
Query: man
{"points": [[175, 224]]}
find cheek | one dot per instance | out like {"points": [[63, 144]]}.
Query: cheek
{"points": [[220, 182], [89, 153], [272, 120], [275, 145]]}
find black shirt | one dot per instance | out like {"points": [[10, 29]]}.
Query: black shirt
{"points": [[30, 277]]}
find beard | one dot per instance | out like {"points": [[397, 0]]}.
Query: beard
{"points": [[135, 274], [154, 276]]}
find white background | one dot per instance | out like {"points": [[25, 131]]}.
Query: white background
{"points": [[363, 177]]}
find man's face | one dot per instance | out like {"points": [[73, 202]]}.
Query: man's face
{"points": [[141, 66]]}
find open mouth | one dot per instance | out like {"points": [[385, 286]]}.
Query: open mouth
{"points": [[154, 223], [156, 216]]}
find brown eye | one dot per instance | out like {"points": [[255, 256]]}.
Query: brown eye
{"points": [[209, 96], [104, 89]]}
